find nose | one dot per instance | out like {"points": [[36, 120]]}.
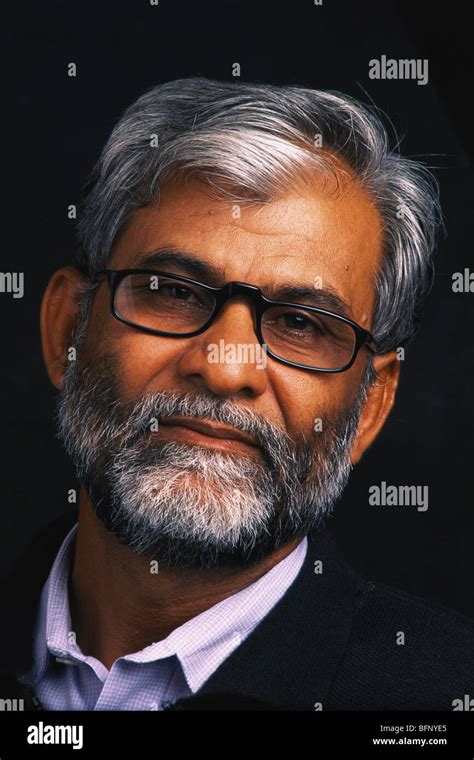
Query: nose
{"points": [[227, 358]]}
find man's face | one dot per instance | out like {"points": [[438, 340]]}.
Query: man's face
{"points": [[317, 239], [294, 240]]}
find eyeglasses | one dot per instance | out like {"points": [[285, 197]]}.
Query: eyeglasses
{"points": [[175, 306]]}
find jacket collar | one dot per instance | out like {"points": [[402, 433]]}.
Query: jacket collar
{"points": [[289, 661]]}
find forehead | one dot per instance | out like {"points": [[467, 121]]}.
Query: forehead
{"points": [[309, 236]]}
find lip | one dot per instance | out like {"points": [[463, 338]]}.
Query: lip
{"points": [[211, 430]]}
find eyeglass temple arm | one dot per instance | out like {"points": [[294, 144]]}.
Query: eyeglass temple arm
{"points": [[98, 276], [371, 343]]}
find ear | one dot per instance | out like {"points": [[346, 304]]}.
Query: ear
{"points": [[59, 312], [378, 404]]}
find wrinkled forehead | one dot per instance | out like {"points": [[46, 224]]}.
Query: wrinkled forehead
{"points": [[314, 237]]}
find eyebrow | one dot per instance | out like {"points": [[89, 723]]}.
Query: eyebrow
{"points": [[171, 256]]}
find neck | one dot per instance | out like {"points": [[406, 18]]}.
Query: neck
{"points": [[118, 606]]}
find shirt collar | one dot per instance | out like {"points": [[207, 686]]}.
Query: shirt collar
{"points": [[204, 642], [53, 623], [201, 644]]}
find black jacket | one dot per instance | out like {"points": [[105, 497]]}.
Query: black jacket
{"points": [[330, 643]]}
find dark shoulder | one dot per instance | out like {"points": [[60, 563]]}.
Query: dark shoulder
{"points": [[405, 652]]}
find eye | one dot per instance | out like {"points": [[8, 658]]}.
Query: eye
{"points": [[180, 292], [298, 322]]}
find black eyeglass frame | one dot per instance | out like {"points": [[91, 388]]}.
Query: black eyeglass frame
{"points": [[222, 294]]}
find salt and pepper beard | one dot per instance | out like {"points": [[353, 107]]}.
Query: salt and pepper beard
{"points": [[185, 505]]}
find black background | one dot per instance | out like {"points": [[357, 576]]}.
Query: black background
{"points": [[54, 127]]}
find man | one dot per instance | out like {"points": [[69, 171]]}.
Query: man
{"points": [[250, 258]]}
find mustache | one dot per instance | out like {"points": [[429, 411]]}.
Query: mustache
{"points": [[154, 408]]}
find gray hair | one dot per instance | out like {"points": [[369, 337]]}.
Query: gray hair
{"points": [[250, 143]]}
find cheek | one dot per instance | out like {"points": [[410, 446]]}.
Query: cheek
{"points": [[147, 363], [306, 399], [140, 358]]}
